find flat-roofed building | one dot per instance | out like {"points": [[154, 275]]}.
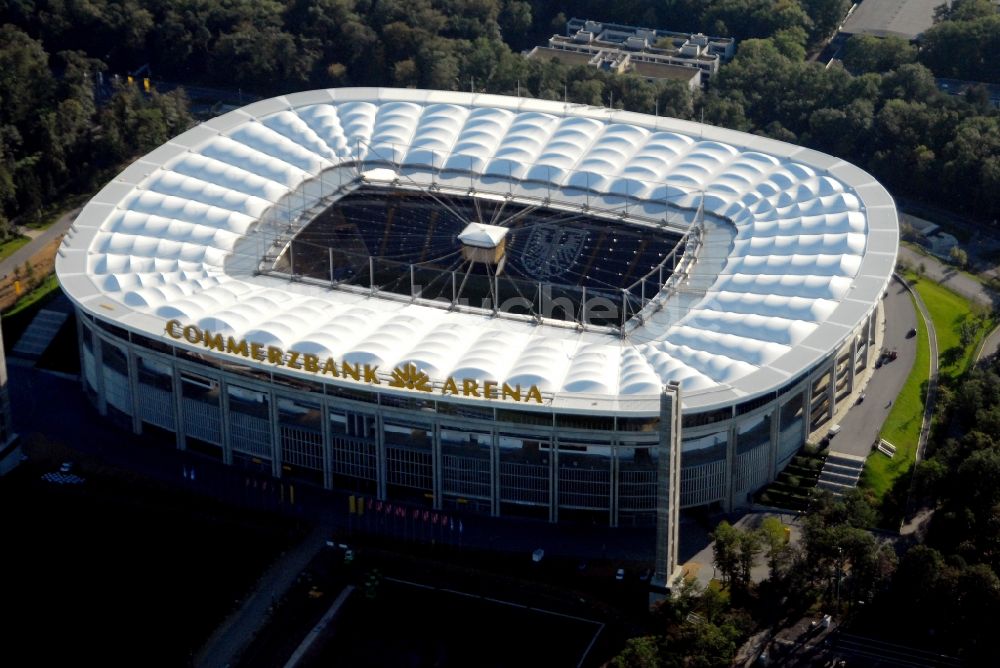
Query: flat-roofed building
{"points": [[650, 53]]}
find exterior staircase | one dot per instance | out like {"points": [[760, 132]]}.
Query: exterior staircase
{"points": [[840, 473]]}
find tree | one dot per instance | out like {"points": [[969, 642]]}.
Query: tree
{"points": [[826, 15], [964, 47], [26, 82], [726, 550], [775, 544], [515, 22], [750, 544], [866, 53], [641, 652], [958, 257]]}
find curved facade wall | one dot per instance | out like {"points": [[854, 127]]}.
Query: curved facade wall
{"points": [[489, 460]]}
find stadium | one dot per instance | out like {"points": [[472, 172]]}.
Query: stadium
{"points": [[475, 301]]}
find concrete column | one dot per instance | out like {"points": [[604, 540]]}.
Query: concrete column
{"points": [[853, 364], [225, 432], [554, 478], [324, 416], [832, 390], [276, 469], [98, 346], [727, 500], [380, 463], [81, 331], [495, 474], [613, 497], [132, 364], [6, 425], [668, 486], [873, 322], [772, 452], [807, 395], [437, 467], [178, 391]]}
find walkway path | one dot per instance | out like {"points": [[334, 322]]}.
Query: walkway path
{"points": [[39, 241], [989, 345], [953, 279], [317, 631], [914, 519], [932, 378], [224, 647]]}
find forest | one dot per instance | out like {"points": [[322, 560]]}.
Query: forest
{"points": [[880, 110]]}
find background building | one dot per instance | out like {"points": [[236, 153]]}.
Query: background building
{"points": [[286, 287], [646, 52]]}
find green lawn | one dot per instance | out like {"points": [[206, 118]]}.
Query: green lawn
{"points": [[902, 426], [10, 246], [949, 311]]}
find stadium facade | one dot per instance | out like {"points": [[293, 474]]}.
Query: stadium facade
{"points": [[476, 301]]}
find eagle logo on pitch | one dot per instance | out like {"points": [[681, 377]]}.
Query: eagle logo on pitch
{"points": [[551, 250]]}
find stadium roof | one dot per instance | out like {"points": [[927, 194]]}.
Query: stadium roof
{"points": [[812, 242]]}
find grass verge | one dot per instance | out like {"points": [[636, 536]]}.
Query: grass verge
{"points": [[952, 314], [10, 246], [955, 318]]}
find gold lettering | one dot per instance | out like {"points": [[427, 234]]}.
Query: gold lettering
{"points": [[408, 378], [213, 341], [192, 334], [310, 362], [275, 355], [237, 347], [330, 367], [173, 329]]}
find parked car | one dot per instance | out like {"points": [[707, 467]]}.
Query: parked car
{"points": [[620, 574], [66, 467]]}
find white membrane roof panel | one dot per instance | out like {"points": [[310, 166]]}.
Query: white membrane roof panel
{"points": [[813, 242]]}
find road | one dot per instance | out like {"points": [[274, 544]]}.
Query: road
{"points": [[862, 423]]}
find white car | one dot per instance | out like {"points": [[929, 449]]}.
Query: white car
{"points": [[620, 574], [66, 467]]}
